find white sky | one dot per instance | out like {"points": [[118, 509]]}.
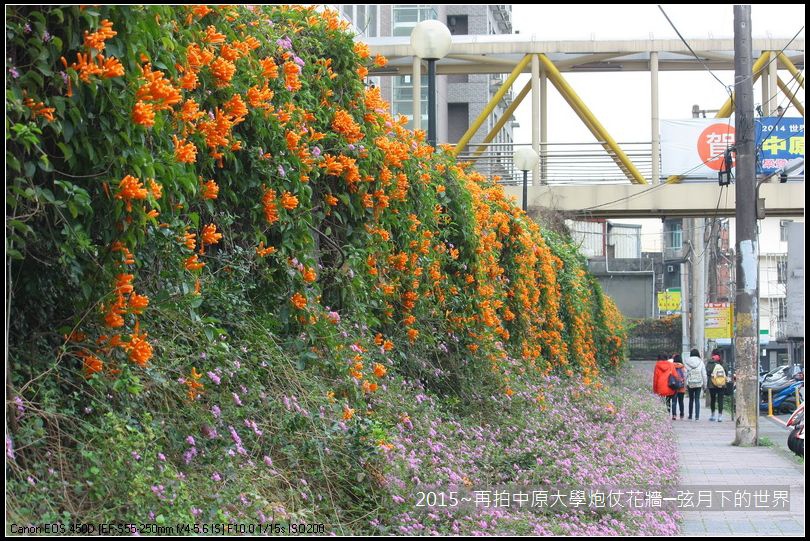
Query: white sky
{"points": [[621, 101]]}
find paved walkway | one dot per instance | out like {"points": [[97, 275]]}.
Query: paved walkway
{"points": [[708, 460]]}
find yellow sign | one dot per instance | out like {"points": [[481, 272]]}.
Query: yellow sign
{"points": [[669, 301], [719, 320]]}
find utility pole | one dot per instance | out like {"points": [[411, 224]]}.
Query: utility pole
{"points": [[746, 312], [699, 248]]}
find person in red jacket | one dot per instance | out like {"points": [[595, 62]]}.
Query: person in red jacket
{"points": [[663, 369], [680, 378]]}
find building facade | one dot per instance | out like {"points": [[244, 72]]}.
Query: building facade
{"points": [[460, 98]]}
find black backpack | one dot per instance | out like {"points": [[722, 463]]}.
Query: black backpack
{"points": [[676, 381]]}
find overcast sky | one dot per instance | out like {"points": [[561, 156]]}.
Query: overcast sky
{"points": [[621, 101]]}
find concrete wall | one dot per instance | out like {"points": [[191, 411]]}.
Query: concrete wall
{"points": [[632, 293]]}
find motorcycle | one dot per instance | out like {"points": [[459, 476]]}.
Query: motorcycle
{"points": [[784, 394], [795, 424]]}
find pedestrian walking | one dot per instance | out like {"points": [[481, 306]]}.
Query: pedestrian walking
{"points": [[677, 382], [661, 373], [696, 379], [716, 374]]}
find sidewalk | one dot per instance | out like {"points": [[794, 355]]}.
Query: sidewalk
{"points": [[708, 459]]}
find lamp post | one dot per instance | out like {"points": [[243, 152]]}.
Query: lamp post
{"points": [[525, 160], [431, 41]]}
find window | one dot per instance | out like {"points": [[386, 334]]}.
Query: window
{"points": [[783, 230], [406, 17], [675, 236], [363, 17], [403, 99], [781, 272], [781, 309]]}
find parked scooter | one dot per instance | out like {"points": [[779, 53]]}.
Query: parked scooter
{"points": [[783, 394], [795, 424]]}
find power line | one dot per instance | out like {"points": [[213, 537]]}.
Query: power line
{"points": [[725, 86]]}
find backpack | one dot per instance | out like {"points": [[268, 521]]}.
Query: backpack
{"points": [[694, 378], [675, 381], [719, 376]]}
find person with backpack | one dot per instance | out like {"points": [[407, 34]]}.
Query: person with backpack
{"points": [[661, 373], [696, 380], [677, 382], [716, 373]]}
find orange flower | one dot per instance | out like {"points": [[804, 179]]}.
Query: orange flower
{"points": [[361, 49], [262, 251], [212, 36], [138, 303], [269, 68], [39, 109], [289, 201], [309, 274], [189, 81], [331, 200], [380, 61], [210, 235], [140, 351], [96, 39], [223, 71], [299, 301], [131, 188], [155, 189], [379, 370], [123, 284], [291, 71], [210, 190], [189, 239], [412, 334], [370, 387], [143, 114], [344, 124], [184, 152], [269, 204], [91, 363], [348, 413], [193, 264]]}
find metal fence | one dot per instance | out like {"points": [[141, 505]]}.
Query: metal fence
{"points": [[561, 163]]}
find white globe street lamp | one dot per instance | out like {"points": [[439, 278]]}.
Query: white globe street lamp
{"points": [[431, 41], [525, 160]]}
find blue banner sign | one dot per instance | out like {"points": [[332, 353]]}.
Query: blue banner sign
{"points": [[779, 140]]}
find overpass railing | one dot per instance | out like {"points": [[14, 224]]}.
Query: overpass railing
{"points": [[561, 163]]}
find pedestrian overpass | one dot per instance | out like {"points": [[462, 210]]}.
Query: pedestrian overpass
{"points": [[604, 178]]}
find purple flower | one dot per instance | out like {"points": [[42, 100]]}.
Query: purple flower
{"points": [[190, 454], [216, 477], [284, 43], [203, 355], [31, 481], [27, 28], [9, 447], [268, 461], [46, 36], [281, 171], [334, 317], [196, 512], [298, 61], [216, 411], [190, 441], [13, 72], [135, 455], [161, 457], [236, 399], [316, 151], [214, 378]]}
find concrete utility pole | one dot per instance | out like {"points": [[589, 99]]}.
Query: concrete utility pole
{"points": [[699, 248], [746, 310]]}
